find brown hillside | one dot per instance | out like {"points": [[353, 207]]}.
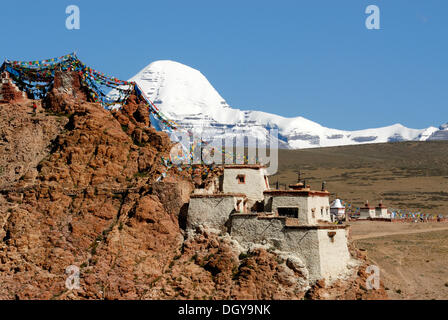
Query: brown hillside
{"points": [[406, 175]]}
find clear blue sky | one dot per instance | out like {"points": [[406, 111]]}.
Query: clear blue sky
{"points": [[295, 58]]}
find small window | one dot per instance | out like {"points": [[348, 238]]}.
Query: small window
{"points": [[238, 205], [241, 178], [288, 212], [313, 213]]}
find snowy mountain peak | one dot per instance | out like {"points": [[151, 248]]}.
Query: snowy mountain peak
{"points": [[179, 90], [444, 126], [186, 96]]}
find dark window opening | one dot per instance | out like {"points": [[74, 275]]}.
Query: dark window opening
{"points": [[241, 178], [288, 212]]}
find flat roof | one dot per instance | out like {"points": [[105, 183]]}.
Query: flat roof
{"points": [[244, 166], [218, 195], [297, 193], [319, 227]]}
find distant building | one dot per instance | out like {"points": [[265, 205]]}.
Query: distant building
{"points": [[337, 210], [381, 211], [367, 211], [370, 212]]}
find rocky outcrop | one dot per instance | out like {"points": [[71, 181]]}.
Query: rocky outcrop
{"points": [[213, 267], [25, 139], [93, 202], [9, 92]]}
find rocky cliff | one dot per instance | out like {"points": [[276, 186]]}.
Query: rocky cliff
{"points": [[78, 188]]}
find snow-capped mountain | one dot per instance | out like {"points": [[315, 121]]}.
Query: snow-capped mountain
{"points": [[184, 95], [441, 134]]}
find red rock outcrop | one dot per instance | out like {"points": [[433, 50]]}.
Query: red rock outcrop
{"points": [[9, 92]]}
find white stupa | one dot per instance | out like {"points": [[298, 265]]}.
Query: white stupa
{"points": [[337, 210]]}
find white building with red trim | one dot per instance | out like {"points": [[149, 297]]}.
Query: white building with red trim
{"points": [[367, 211], [370, 212], [294, 222], [252, 180]]}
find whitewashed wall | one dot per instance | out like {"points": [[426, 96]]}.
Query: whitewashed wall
{"points": [[254, 184], [381, 213], [366, 213], [305, 205], [317, 203], [334, 256], [211, 212], [322, 258]]}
